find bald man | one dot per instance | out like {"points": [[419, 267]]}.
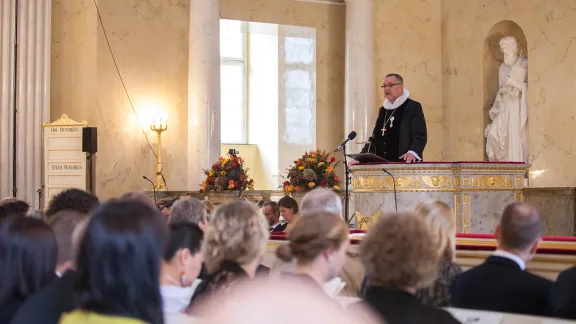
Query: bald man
{"points": [[501, 283]]}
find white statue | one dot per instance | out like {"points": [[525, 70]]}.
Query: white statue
{"points": [[507, 135]]}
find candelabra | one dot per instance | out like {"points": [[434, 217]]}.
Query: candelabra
{"points": [[159, 125]]}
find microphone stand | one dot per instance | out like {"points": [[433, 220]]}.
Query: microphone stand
{"points": [[346, 188], [39, 192], [394, 184], [153, 189]]}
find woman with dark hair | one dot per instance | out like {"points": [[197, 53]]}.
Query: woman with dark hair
{"points": [[288, 208], [118, 266], [181, 267], [27, 262]]}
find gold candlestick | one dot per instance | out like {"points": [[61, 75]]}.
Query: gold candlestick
{"points": [[159, 125]]}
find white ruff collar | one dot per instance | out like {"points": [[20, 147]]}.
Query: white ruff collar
{"points": [[399, 101]]}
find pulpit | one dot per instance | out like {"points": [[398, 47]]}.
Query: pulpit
{"points": [[477, 191]]}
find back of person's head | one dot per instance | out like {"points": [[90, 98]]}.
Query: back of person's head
{"points": [[322, 199], [317, 234], [288, 203], [27, 257], [441, 222], [72, 199], [257, 302], [183, 250], [13, 207], [118, 264], [399, 252], [237, 232], [138, 196], [520, 227], [189, 210], [64, 223]]}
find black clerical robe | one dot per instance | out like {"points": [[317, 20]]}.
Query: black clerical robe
{"points": [[405, 132]]}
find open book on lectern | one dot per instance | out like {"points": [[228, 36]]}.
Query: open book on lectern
{"points": [[367, 158]]}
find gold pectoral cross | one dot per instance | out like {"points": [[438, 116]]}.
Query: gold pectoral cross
{"points": [[383, 130]]}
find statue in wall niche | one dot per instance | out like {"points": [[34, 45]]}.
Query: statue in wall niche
{"points": [[507, 135]]}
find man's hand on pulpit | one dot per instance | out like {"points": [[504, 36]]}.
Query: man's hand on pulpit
{"points": [[409, 157]]}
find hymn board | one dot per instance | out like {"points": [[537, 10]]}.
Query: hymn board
{"points": [[64, 161]]}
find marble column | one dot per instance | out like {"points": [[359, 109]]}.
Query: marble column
{"points": [[6, 94], [32, 94], [361, 108], [203, 89]]}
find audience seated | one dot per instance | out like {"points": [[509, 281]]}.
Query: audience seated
{"points": [[501, 282], [118, 266], [181, 266], [318, 242], [271, 211], [289, 211], [400, 254], [440, 220], [234, 243], [566, 294], [282, 302], [189, 210], [322, 199], [72, 199], [50, 303], [10, 207], [27, 262], [139, 196]]}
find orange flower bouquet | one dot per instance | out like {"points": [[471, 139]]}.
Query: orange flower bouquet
{"points": [[314, 169], [227, 174]]}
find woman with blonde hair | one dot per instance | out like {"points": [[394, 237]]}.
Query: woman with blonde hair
{"points": [[234, 243], [318, 242], [440, 220]]}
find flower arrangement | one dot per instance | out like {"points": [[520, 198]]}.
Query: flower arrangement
{"points": [[313, 169], [227, 174]]}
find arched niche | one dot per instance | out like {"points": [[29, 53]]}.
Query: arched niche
{"points": [[493, 58]]}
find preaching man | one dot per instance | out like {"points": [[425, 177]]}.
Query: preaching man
{"points": [[400, 131]]}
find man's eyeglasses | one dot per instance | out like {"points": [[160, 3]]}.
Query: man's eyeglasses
{"points": [[389, 85]]}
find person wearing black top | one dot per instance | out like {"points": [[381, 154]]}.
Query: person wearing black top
{"points": [[400, 256], [28, 261], [400, 132], [566, 294], [501, 283]]}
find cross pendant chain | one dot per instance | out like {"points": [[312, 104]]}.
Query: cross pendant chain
{"points": [[388, 119]]}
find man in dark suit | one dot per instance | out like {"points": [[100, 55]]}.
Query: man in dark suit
{"points": [[566, 294], [272, 214], [46, 306], [400, 132], [501, 283]]}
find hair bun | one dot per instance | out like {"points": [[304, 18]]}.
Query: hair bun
{"points": [[284, 252]]}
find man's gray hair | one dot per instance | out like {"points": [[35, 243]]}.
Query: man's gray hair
{"points": [[188, 210], [322, 199]]}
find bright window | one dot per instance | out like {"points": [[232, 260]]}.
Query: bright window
{"points": [[233, 81]]}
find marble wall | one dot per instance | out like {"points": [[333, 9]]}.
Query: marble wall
{"points": [[557, 205], [409, 42], [550, 29], [149, 41]]}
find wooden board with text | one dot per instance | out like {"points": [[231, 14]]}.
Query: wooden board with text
{"points": [[64, 161]]}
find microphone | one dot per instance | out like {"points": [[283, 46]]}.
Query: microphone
{"points": [[153, 188], [351, 136]]}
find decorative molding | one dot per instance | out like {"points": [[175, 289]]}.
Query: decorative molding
{"points": [[466, 212], [365, 222], [326, 2], [65, 121]]}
